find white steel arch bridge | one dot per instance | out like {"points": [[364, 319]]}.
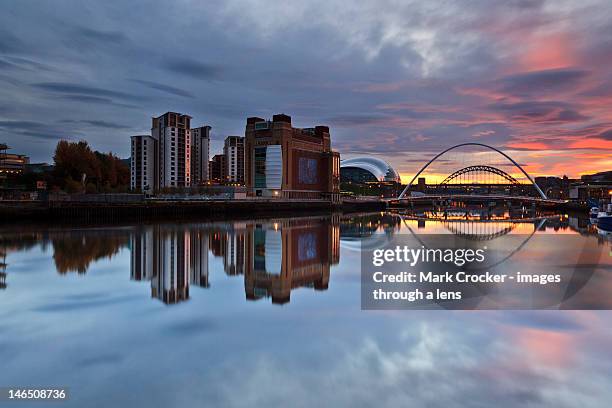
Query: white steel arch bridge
{"points": [[477, 168]]}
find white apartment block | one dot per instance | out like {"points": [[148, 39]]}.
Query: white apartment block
{"points": [[173, 134], [234, 159]]}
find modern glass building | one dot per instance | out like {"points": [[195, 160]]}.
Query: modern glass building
{"points": [[367, 170]]}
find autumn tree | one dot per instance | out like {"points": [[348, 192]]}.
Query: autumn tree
{"points": [[80, 169]]}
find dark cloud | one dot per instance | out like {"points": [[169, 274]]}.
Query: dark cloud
{"points": [[97, 123], [106, 125], [37, 130], [355, 120], [165, 88], [542, 81], [193, 68], [87, 99], [17, 124], [9, 43], [539, 112], [525, 4], [113, 37], [74, 89], [23, 63], [6, 65], [607, 135]]}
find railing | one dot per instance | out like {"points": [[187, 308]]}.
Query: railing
{"points": [[97, 198]]}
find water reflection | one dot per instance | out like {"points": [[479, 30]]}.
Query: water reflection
{"points": [[2, 269], [75, 250], [273, 257], [66, 329], [288, 255]]}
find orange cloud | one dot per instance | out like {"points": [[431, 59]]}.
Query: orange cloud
{"points": [[548, 52], [547, 347], [592, 143], [528, 145]]}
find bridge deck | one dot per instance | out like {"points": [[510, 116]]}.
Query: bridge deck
{"points": [[476, 197]]}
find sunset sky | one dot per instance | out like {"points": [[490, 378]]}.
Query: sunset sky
{"points": [[401, 80]]}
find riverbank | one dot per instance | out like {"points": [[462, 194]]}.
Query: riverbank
{"points": [[87, 212], [113, 210]]}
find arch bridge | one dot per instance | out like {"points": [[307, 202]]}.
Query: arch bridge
{"points": [[480, 169], [475, 169]]}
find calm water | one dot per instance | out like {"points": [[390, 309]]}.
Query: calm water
{"points": [[267, 313]]}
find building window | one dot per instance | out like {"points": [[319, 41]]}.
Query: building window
{"points": [[260, 167]]}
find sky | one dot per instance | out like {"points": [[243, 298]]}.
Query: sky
{"points": [[401, 80]]}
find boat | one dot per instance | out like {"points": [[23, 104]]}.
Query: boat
{"points": [[604, 219]]}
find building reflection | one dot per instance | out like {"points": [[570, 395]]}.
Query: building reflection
{"points": [[290, 254], [271, 258], [199, 258], [228, 242], [274, 257], [172, 265], [171, 258], [3, 266]]}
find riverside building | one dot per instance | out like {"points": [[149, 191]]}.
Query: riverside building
{"points": [[200, 148], [288, 162], [143, 169], [172, 132], [233, 150], [11, 163], [162, 159], [217, 169]]}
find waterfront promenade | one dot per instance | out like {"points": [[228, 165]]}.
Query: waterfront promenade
{"points": [[151, 209]]}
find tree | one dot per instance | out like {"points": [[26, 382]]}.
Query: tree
{"points": [[80, 169]]}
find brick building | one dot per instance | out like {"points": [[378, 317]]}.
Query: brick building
{"points": [[217, 169], [288, 162]]}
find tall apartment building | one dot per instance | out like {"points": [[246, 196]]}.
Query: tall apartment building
{"points": [[233, 151], [143, 167], [200, 148], [218, 169], [283, 161], [172, 131]]}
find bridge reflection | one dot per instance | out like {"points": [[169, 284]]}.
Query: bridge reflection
{"points": [[272, 257]]}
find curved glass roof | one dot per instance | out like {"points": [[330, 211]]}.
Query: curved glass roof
{"points": [[378, 167]]}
